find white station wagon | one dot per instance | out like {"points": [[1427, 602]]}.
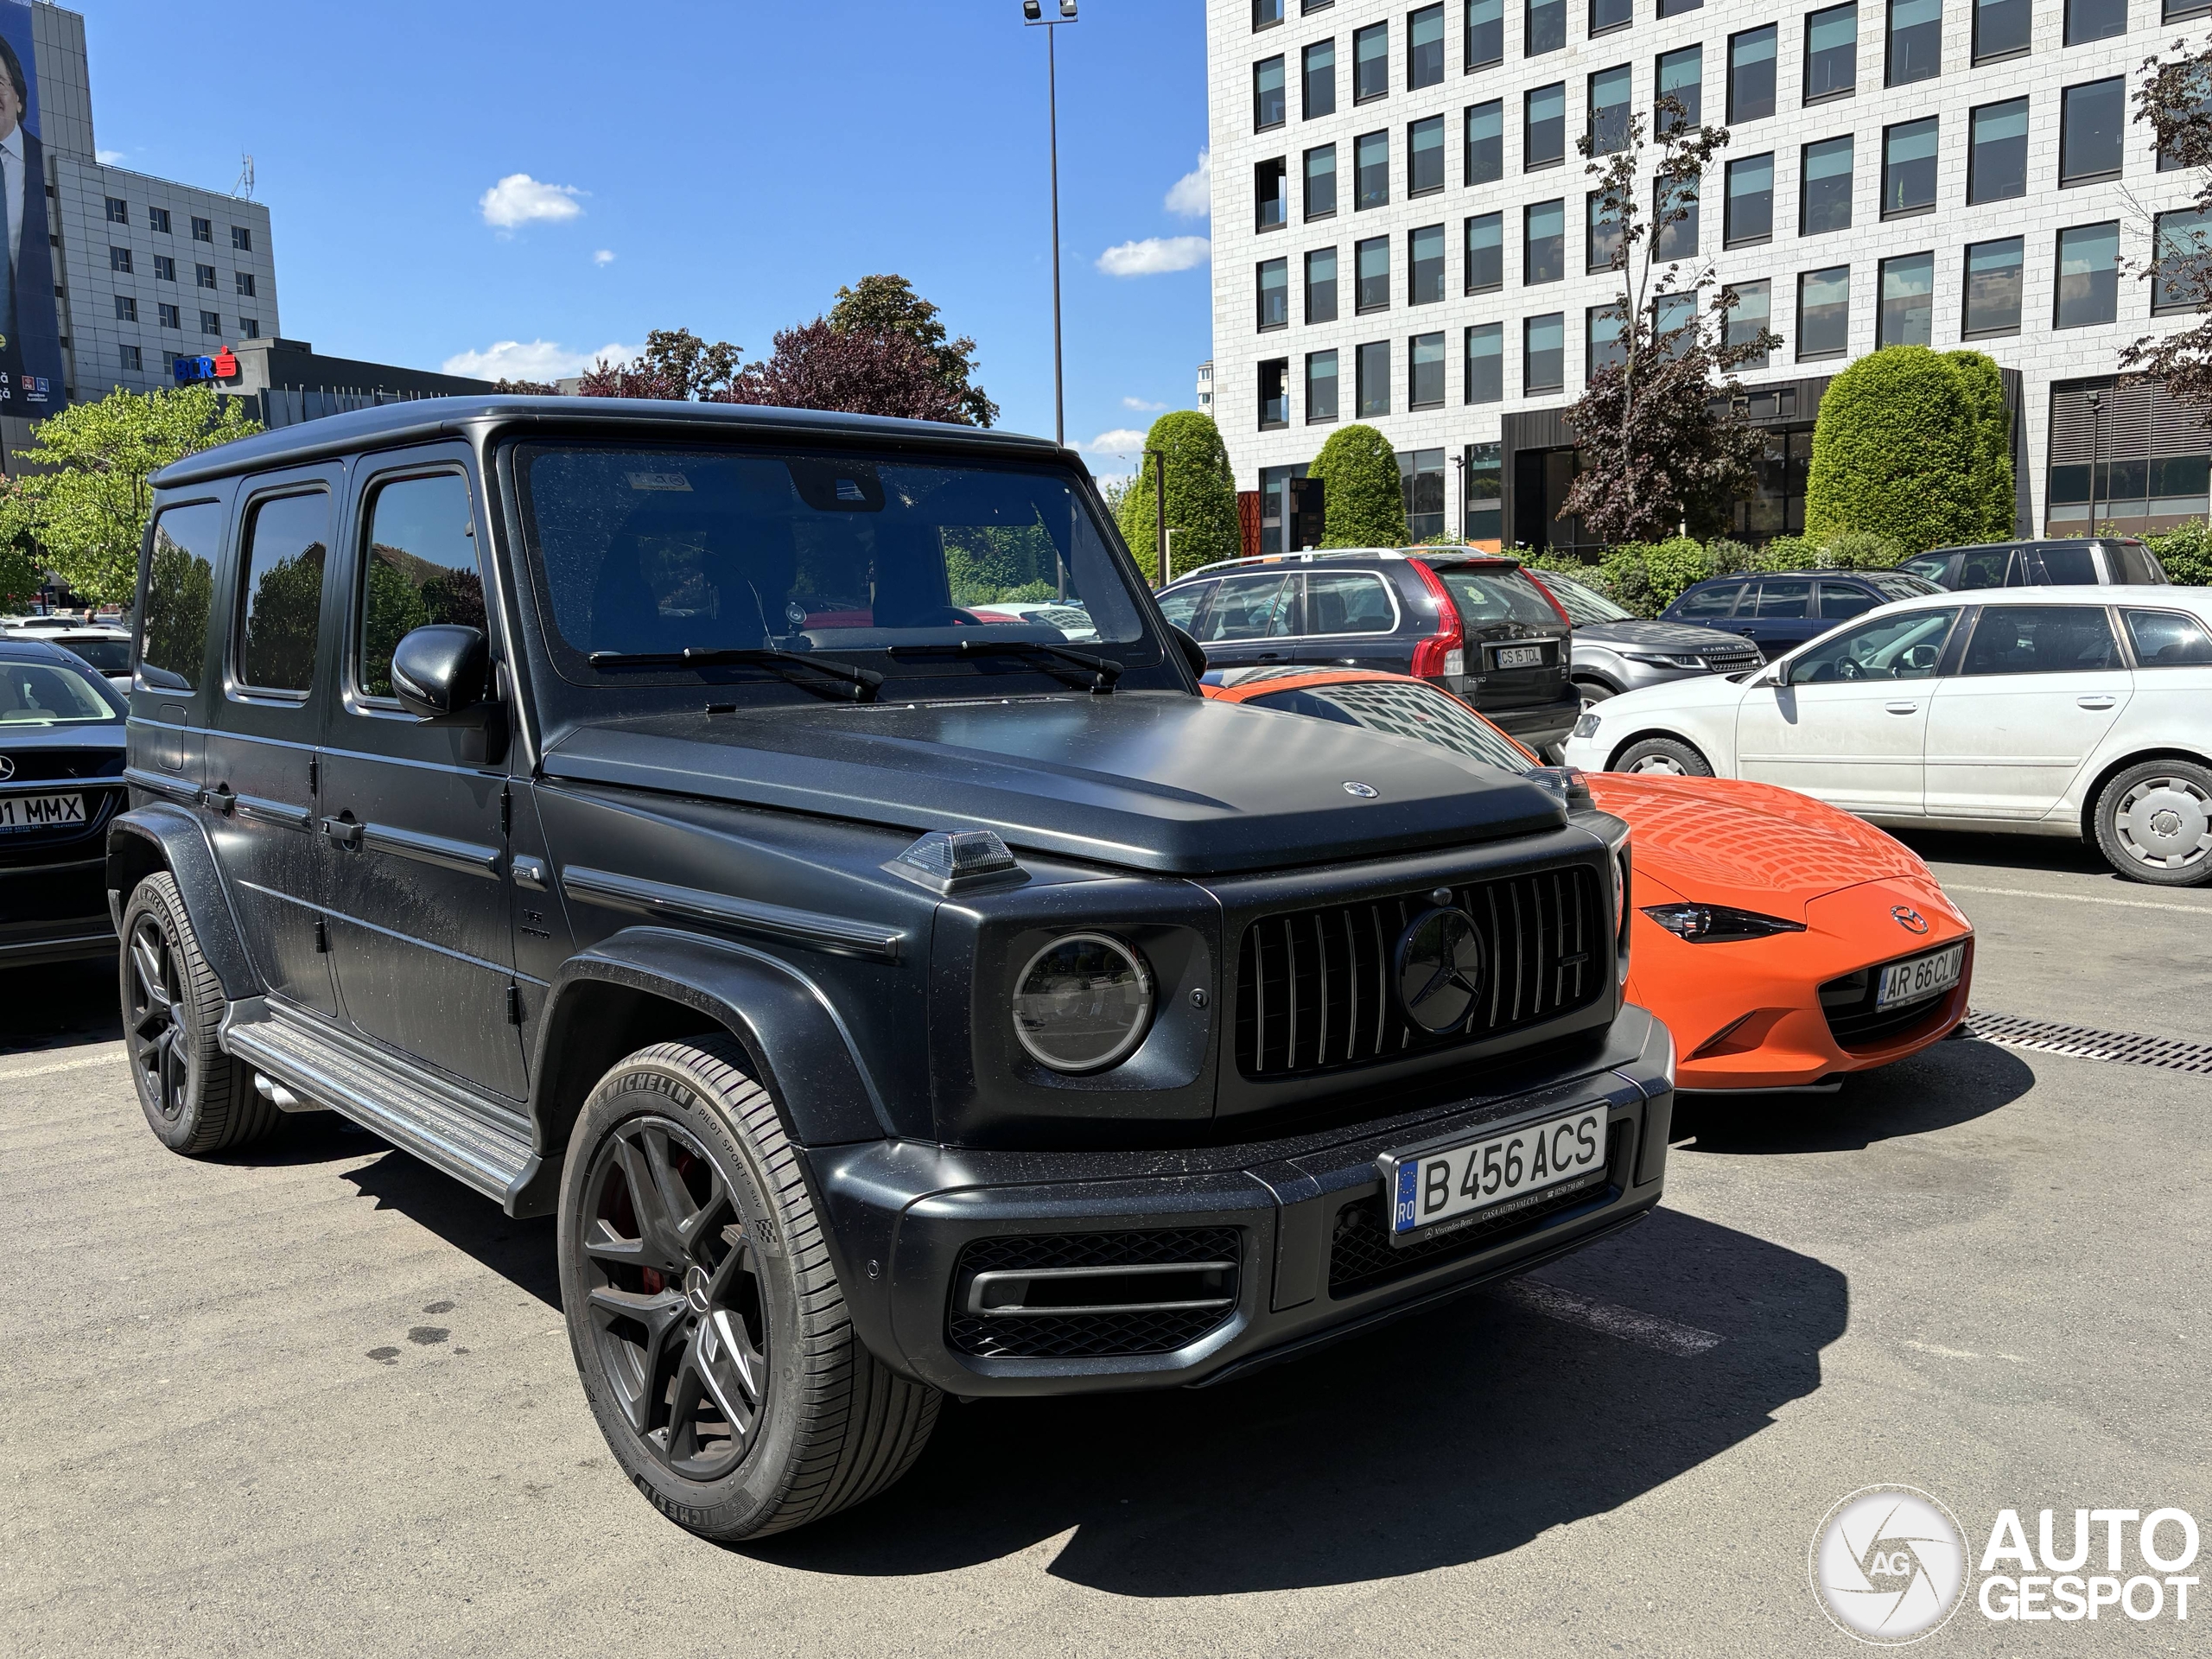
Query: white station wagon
{"points": [[2052, 711]]}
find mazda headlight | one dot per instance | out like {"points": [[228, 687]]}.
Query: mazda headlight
{"points": [[1587, 726], [1717, 924], [1082, 1002]]}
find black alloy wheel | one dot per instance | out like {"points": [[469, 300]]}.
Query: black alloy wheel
{"points": [[197, 1098], [155, 1017]]}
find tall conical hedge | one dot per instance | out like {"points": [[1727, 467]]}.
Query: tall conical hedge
{"points": [[1364, 499], [1201, 496], [1914, 445]]}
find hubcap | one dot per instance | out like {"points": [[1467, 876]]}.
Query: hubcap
{"points": [[675, 1298], [2166, 823], [160, 1038], [1660, 763]]}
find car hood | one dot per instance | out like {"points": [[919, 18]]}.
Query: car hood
{"points": [[1149, 781], [1636, 634], [1753, 845]]}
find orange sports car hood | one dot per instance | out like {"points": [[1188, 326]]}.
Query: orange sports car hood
{"points": [[1752, 845]]}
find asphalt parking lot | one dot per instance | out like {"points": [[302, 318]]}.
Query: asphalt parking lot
{"points": [[316, 1398]]}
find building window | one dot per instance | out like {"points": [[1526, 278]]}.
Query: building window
{"points": [[1609, 95], [1485, 43], [1674, 219], [1425, 357], [1681, 76], [1319, 79], [2089, 275], [1543, 352], [164, 267], [245, 280], [1425, 265], [169, 317], [133, 359], [126, 308], [1601, 233], [1485, 253], [1322, 182], [1831, 53], [1750, 317], [1482, 483], [204, 275], [1824, 314], [1678, 7], [2001, 29], [1543, 127], [1274, 393], [1909, 169], [1421, 475], [1321, 285], [1270, 100], [1371, 274], [249, 329], [1275, 293], [1486, 144], [2184, 241], [1997, 151], [2177, 9], [242, 239], [1606, 16], [1320, 387], [1371, 63], [1266, 14], [119, 211], [1748, 214], [203, 230], [1994, 281], [1907, 312], [1371, 369], [1673, 316], [1750, 74], [1486, 363], [1543, 242], [1544, 25], [1425, 49], [2094, 20], [1370, 170], [157, 218], [1602, 347], [1824, 201], [2091, 125], [1425, 156], [211, 322], [119, 259], [1916, 45], [1269, 189]]}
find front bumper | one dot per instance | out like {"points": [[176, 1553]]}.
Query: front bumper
{"points": [[54, 912], [1535, 725], [900, 1215]]}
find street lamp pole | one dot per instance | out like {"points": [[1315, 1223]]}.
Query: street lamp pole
{"points": [[1032, 17]]}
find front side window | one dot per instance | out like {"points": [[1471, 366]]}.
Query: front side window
{"points": [[1543, 352], [1269, 191], [2041, 639], [1825, 202], [1425, 49], [180, 596], [1425, 265], [1370, 170], [280, 591], [1485, 42], [1425, 371], [1544, 126], [1707, 604], [1485, 252], [1320, 387], [1373, 371], [1425, 156], [1751, 318], [2184, 241], [1824, 314], [1275, 293], [1907, 315], [2094, 20], [1270, 106], [1319, 79], [1485, 348], [1831, 53], [1997, 151], [1994, 281], [1909, 169], [1545, 24], [1750, 74], [1601, 234], [1371, 268], [2169, 640], [1321, 285], [1902, 648], [2089, 275], [420, 568], [1371, 63], [1609, 96], [1916, 44], [2092, 128], [2001, 29], [1322, 182], [1601, 347], [1485, 143], [1750, 211], [1840, 600], [1543, 242], [1681, 76]]}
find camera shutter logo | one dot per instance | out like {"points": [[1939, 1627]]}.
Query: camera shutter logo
{"points": [[1889, 1565]]}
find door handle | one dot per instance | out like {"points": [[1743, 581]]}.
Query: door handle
{"points": [[218, 799], [342, 832], [1902, 708], [2096, 699]]}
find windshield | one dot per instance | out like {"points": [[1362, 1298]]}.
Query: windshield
{"points": [[1582, 604], [648, 552], [52, 694], [1405, 711], [1496, 595]]}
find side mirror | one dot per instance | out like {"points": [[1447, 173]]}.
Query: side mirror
{"points": [[1193, 652], [443, 673]]}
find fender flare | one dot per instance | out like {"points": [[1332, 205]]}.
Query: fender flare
{"points": [[158, 836]]}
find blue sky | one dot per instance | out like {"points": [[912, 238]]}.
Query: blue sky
{"points": [[723, 167]]}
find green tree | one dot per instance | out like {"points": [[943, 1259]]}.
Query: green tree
{"points": [[23, 565], [887, 304], [1363, 500], [1907, 445], [88, 507], [2186, 552], [1201, 496]]}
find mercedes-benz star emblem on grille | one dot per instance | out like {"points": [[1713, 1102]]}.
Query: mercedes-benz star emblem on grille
{"points": [[1365, 791], [1439, 968], [8, 770], [1908, 919]]}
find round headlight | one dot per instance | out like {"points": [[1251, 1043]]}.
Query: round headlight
{"points": [[1082, 1002]]}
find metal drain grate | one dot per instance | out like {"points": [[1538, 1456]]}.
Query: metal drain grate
{"points": [[2048, 1037]]}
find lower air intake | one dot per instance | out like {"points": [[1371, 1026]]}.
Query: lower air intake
{"points": [[1093, 1295]]}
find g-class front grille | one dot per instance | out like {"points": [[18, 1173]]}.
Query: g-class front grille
{"points": [[1316, 989], [1178, 1283]]}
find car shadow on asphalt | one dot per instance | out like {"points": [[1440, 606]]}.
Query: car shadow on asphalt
{"points": [[521, 1251], [1446, 1438], [62, 1006], [2061, 853], [1945, 1085]]}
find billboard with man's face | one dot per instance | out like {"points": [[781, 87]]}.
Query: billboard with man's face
{"points": [[30, 339]]}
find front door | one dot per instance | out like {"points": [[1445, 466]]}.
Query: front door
{"points": [[1848, 727], [1776, 613], [261, 758], [2038, 688], [417, 813]]}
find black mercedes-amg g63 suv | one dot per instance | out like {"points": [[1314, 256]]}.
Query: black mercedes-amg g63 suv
{"points": [[638, 811]]}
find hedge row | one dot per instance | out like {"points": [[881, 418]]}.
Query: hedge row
{"points": [[1646, 577]]}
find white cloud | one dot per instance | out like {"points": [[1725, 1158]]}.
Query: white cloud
{"points": [[1192, 195], [1139, 403], [110, 157], [604, 256], [1121, 441], [519, 200], [1154, 255], [532, 360]]}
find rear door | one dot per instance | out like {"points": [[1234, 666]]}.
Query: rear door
{"points": [[1251, 620], [2038, 688], [1518, 647], [1353, 620]]}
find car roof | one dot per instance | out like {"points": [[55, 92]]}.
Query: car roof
{"points": [[443, 417], [30, 648], [1352, 556], [1825, 576], [2038, 541]]}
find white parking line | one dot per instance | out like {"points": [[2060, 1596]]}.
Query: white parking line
{"points": [[2078, 899], [111, 1058], [1647, 1330]]}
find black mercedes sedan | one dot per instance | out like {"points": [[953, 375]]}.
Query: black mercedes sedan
{"points": [[62, 746]]}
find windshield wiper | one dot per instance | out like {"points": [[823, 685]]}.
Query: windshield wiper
{"points": [[1101, 672], [859, 684]]}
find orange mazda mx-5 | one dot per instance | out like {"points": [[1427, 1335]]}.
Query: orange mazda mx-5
{"points": [[1783, 942]]}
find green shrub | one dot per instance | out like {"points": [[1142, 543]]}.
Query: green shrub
{"points": [[1363, 501], [1910, 445], [1201, 496], [2186, 552]]}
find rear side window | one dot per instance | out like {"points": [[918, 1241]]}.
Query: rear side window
{"points": [[1348, 602], [2061, 567], [1497, 596], [2133, 563], [1929, 567], [280, 591], [1784, 598], [1841, 599], [421, 569], [1252, 607], [2042, 639], [1984, 567], [179, 594], [1181, 607], [1707, 603], [2169, 640]]}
